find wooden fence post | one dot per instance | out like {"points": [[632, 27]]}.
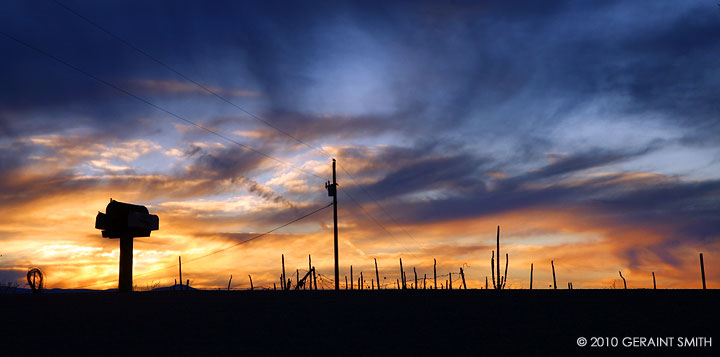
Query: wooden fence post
{"points": [[654, 285], [180, 270], [424, 281], [284, 284], [230, 281], [531, 275], [402, 274], [314, 278], [623, 278], [377, 274], [702, 271], [553, 269], [492, 266], [415, 272], [352, 282], [251, 284], [462, 274], [435, 272]]}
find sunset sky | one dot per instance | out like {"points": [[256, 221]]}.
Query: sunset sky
{"points": [[588, 130]]}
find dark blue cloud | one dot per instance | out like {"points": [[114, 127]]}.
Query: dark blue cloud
{"points": [[452, 65]]}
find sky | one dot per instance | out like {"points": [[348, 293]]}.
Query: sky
{"points": [[589, 131]]}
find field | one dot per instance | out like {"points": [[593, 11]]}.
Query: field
{"points": [[426, 322]]}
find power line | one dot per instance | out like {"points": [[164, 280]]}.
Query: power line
{"points": [[224, 99], [130, 94], [111, 85], [206, 89], [127, 43], [379, 205], [377, 222], [219, 250]]}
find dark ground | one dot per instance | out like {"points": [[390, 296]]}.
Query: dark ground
{"points": [[422, 322]]}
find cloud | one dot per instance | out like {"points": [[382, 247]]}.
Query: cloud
{"points": [[167, 87]]}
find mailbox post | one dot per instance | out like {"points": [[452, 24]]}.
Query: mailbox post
{"points": [[126, 263], [126, 221]]}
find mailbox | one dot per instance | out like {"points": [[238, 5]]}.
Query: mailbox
{"points": [[126, 220]]}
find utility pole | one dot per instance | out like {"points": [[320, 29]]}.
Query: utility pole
{"points": [[332, 191]]}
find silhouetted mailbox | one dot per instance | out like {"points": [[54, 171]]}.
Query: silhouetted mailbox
{"points": [[126, 221]]}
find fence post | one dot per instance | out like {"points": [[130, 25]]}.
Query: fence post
{"points": [[415, 272], [531, 275], [314, 278], [553, 269], [230, 281], [623, 278], [377, 274], [702, 270], [462, 274], [435, 272], [284, 284], [251, 284], [654, 285]]}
